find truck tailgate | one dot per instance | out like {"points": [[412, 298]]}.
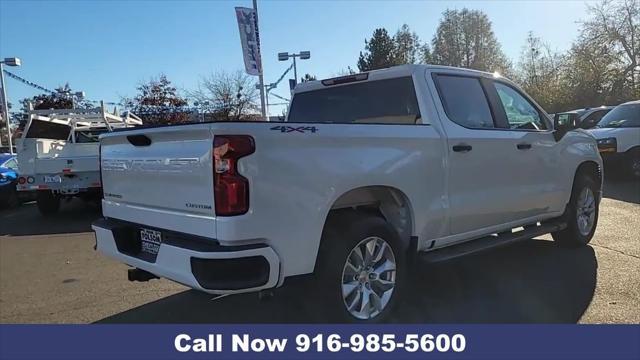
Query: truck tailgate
{"points": [[162, 172]]}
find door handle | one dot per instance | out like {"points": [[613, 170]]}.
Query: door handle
{"points": [[523, 146], [462, 148]]}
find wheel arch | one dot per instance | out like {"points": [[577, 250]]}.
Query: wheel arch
{"points": [[389, 202], [592, 168]]}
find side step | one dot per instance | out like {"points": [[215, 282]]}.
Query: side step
{"points": [[490, 242]]}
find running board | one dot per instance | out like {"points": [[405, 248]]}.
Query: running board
{"points": [[490, 242]]}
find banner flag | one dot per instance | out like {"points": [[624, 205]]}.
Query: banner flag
{"points": [[249, 39]]}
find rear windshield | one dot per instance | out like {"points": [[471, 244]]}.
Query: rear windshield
{"points": [[391, 101], [89, 136], [622, 116]]}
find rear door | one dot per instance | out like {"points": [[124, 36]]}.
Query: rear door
{"points": [[485, 166]]}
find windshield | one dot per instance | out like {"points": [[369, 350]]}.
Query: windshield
{"points": [[391, 101], [4, 159], [622, 116]]}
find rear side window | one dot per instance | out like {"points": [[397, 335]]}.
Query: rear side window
{"points": [[464, 101], [391, 101]]}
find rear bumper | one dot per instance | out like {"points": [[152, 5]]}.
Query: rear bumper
{"points": [[196, 262], [65, 182]]}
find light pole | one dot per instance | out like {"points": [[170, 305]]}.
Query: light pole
{"points": [[303, 55], [267, 88], [5, 103]]}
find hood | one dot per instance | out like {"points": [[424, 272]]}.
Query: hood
{"points": [[603, 133], [7, 175]]}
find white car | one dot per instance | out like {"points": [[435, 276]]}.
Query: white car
{"points": [[618, 137], [368, 171]]}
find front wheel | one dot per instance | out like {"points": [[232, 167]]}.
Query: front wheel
{"points": [[633, 163], [361, 267], [581, 213]]}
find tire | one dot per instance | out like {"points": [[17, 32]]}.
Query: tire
{"points": [[580, 209], [344, 232], [632, 163], [13, 201], [48, 202]]}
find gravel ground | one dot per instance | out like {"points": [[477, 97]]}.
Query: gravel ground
{"points": [[49, 273]]}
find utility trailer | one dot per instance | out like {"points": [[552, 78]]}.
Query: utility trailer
{"points": [[59, 153]]}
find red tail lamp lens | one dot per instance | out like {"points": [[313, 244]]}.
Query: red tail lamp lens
{"points": [[231, 189]]}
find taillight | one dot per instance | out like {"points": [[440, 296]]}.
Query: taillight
{"points": [[230, 188], [22, 180]]}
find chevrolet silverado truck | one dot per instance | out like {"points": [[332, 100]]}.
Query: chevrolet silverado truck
{"points": [[368, 174]]}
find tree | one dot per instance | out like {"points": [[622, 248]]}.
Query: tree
{"points": [[158, 102], [464, 38], [308, 77], [229, 96], [426, 57], [406, 46], [542, 74], [344, 72], [607, 53], [63, 97], [379, 52]]}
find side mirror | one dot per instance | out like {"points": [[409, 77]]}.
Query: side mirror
{"points": [[563, 123]]}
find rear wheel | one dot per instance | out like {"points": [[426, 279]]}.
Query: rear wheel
{"points": [[361, 267], [12, 198], [48, 202], [581, 213]]}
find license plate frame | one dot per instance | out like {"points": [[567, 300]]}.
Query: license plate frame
{"points": [[150, 240]]}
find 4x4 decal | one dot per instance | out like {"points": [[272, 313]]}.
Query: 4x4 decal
{"points": [[301, 129]]}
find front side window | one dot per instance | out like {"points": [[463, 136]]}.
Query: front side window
{"points": [[464, 101], [521, 114], [622, 116], [391, 101]]}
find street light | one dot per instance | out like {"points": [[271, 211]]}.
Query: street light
{"points": [[303, 55], [14, 61]]}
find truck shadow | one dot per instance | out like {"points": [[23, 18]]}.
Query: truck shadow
{"points": [[531, 282], [74, 217], [623, 189]]}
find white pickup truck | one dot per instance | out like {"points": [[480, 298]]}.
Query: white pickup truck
{"points": [[58, 153], [369, 171], [618, 137]]}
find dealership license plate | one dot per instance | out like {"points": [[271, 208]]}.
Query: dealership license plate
{"points": [[151, 240]]}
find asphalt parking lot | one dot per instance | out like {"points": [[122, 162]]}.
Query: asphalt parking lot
{"points": [[49, 273]]}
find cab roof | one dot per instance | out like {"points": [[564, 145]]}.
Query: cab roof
{"points": [[389, 73]]}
